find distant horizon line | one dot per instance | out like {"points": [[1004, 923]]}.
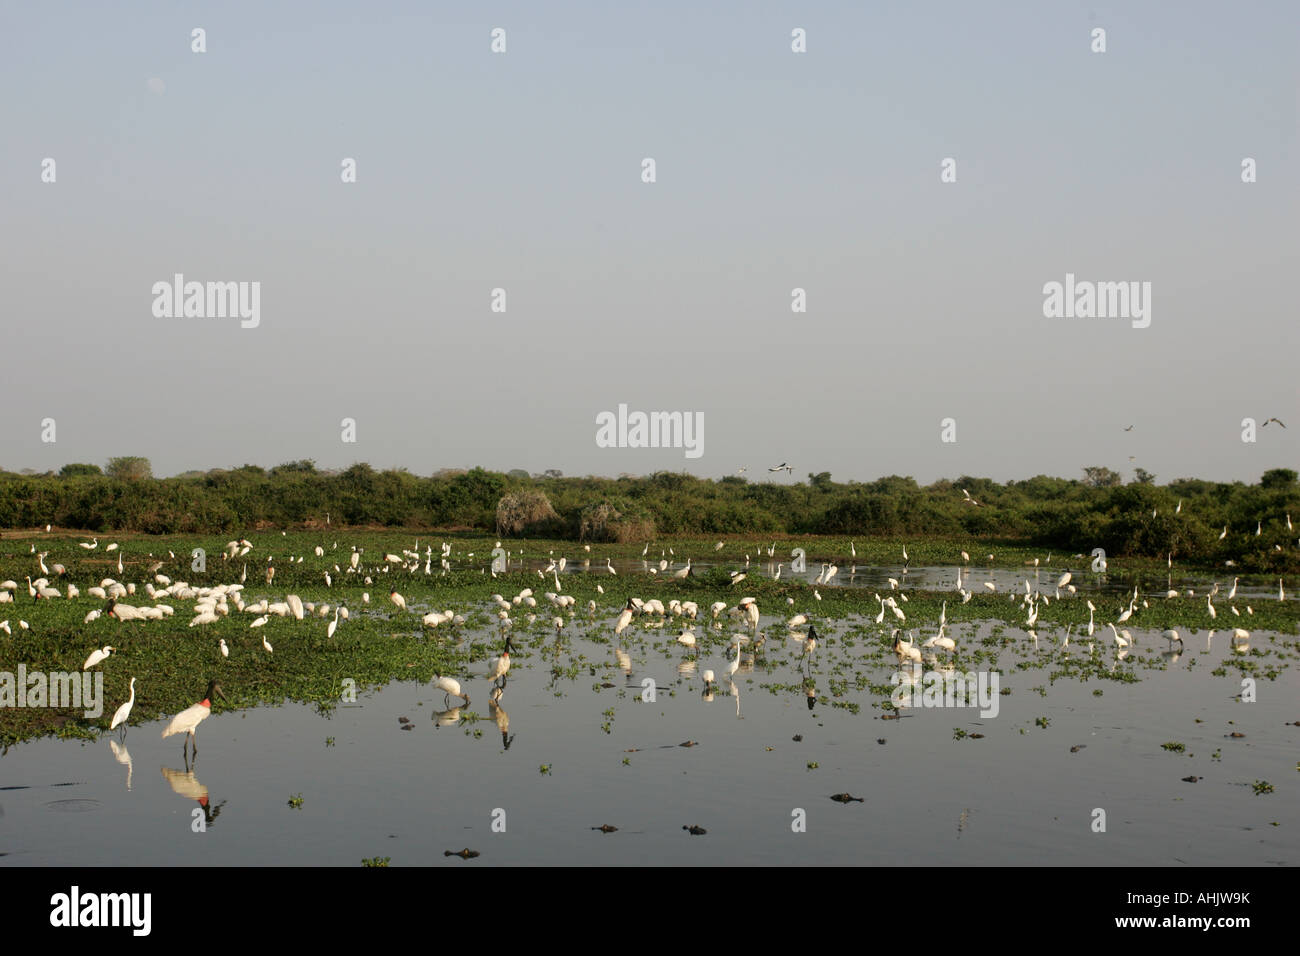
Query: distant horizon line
{"points": [[448, 471]]}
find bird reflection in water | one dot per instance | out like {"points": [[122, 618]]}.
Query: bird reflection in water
{"points": [[446, 718], [123, 756], [501, 717], [908, 676], [185, 784]]}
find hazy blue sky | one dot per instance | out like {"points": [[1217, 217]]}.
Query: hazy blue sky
{"points": [[775, 170]]}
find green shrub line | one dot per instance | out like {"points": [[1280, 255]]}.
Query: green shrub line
{"points": [[1140, 519]]}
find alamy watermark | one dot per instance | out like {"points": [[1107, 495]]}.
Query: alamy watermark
{"points": [[940, 689], [1084, 299], [626, 429], [179, 299], [55, 689]]}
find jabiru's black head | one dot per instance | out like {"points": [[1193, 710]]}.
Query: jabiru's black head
{"points": [[812, 632], [630, 606], [214, 688], [108, 608]]}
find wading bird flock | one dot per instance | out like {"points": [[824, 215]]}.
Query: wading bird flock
{"points": [[157, 597]]}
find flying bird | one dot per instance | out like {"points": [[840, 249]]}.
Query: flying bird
{"points": [[1278, 420]]}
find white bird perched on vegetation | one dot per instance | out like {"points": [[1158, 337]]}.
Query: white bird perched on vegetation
{"points": [[97, 656], [334, 624], [397, 599], [90, 547], [610, 567]]}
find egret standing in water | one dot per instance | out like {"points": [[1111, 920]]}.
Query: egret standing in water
{"points": [[123, 712]]}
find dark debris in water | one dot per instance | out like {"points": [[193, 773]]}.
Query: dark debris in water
{"points": [[846, 798], [689, 743], [1077, 747], [606, 828], [465, 854], [797, 738], [694, 830], [1191, 779]]}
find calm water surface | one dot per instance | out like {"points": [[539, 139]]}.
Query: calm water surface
{"points": [[1018, 795]]}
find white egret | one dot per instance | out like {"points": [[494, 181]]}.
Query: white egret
{"points": [[123, 712], [97, 656]]}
